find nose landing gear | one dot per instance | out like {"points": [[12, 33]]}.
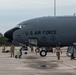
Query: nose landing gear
{"points": [[43, 53]]}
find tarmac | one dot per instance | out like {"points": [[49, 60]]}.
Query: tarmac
{"points": [[34, 64]]}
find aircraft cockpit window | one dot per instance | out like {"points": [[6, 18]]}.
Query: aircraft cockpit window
{"points": [[20, 25], [23, 26]]}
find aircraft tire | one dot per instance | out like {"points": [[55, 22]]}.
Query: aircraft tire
{"points": [[43, 53], [37, 50]]}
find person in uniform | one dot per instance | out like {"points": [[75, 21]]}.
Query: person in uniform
{"points": [[20, 53], [12, 48], [58, 51], [3, 49], [32, 49]]}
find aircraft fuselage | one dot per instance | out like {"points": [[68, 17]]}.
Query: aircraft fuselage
{"points": [[49, 31]]}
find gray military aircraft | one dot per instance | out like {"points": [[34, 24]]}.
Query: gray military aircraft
{"points": [[45, 32]]}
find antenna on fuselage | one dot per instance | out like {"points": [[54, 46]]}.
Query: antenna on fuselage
{"points": [[54, 7]]}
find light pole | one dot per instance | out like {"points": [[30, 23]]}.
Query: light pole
{"points": [[54, 7]]}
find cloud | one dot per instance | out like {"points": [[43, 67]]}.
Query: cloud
{"points": [[24, 4], [14, 11], [66, 3], [34, 4]]}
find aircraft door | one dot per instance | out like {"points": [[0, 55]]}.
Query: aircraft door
{"points": [[33, 41]]}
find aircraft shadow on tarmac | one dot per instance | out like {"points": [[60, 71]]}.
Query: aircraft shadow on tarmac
{"points": [[30, 57], [40, 64]]}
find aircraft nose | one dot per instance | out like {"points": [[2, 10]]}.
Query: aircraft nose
{"points": [[9, 34]]}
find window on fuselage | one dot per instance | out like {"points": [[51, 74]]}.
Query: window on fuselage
{"points": [[21, 25]]}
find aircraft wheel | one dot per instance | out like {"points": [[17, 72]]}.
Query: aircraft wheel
{"points": [[37, 50], [43, 53]]}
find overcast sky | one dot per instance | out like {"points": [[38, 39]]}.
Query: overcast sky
{"points": [[13, 12]]}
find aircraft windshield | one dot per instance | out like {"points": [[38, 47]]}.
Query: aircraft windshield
{"points": [[20, 25]]}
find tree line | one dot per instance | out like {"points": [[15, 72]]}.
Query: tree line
{"points": [[5, 41]]}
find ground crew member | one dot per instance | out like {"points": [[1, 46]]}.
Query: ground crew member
{"points": [[17, 53], [32, 49], [3, 50], [20, 52], [58, 51], [12, 48]]}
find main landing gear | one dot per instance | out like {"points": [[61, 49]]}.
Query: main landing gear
{"points": [[42, 52]]}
